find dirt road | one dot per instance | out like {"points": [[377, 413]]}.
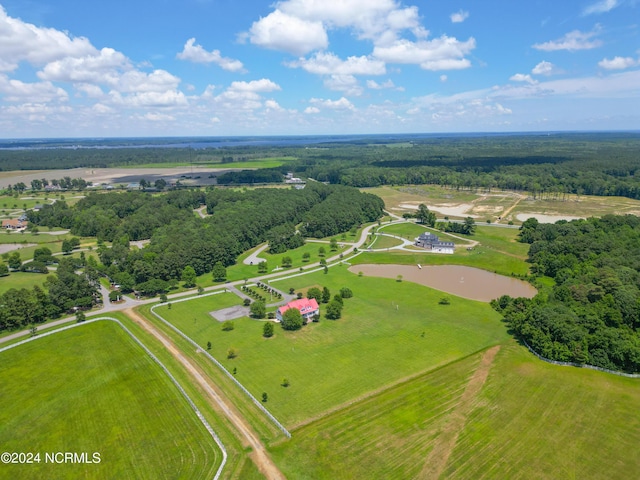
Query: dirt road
{"points": [[259, 454]]}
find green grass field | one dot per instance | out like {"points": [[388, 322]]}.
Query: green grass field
{"points": [[530, 420], [383, 241], [92, 389], [482, 257], [333, 362], [20, 280]]}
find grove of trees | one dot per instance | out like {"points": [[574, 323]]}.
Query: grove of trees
{"points": [[592, 313]]}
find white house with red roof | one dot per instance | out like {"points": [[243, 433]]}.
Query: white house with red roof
{"points": [[308, 308]]}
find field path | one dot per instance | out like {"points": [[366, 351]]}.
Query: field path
{"points": [[510, 209], [446, 441], [259, 454]]}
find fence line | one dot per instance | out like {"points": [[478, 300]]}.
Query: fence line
{"points": [[224, 370], [157, 361], [580, 365]]}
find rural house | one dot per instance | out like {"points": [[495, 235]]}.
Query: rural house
{"points": [[14, 224], [308, 308], [431, 242]]}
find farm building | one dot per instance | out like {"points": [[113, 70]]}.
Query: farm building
{"points": [[431, 242], [308, 308]]}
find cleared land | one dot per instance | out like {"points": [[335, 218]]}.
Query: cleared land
{"points": [[529, 420], [389, 331], [92, 389], [510, 206]]}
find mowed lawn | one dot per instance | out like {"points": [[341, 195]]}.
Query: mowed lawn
{"points": [[388, 331], [92, 389], [530, 420], [537, 420]]}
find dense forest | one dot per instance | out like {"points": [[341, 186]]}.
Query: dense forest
{"points": [[179, 239], [548, 165], [592, 313]]}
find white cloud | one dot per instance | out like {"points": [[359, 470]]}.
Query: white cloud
{"points": [[300, 26], [255, 86], [36, 92], [372, 84], [444, 53], [279, 31], [459, 16], [21, 41], [602, 6], [273, 105], [371, 19], [618, 63], [197, 54], [330, 64], [544, 68], [341, 104], [347, 84], [158, 117], [101, 67], [572, 41], [520, 77], [311, 110], [443, 78]]}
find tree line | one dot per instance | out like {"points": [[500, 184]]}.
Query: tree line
{"points": [[182, 244], [592, 313]]}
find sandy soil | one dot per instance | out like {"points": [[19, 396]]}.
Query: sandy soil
{"points": [[466, 282], [449, 209], [117, 175], [542, 218]]}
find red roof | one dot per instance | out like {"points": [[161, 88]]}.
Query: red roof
{"points": [[305, 305]]}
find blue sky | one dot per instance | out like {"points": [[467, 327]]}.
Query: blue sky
{"points": [[71, 68]]}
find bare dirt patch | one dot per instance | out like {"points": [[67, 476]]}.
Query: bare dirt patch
{"points": [[230, 313], [459, 280], [9, 247], [542, 218]]}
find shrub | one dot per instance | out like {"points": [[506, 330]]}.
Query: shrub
{"points": [[228, 326], [346, 292], [267, 330]]}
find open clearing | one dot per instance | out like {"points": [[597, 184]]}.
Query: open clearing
{"points": [[92, 389], [500, 206], [530, 419], [389, 331]]}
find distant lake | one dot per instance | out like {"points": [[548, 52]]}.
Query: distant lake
{"points": [[240, 141]]}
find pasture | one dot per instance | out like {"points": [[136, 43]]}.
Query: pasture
{"points": [[389, 331], [530, 420], [92, 389]]}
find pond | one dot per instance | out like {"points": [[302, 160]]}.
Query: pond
{"points": [[466, 282]]}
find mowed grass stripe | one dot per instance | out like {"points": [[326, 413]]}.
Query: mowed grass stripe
{"points": [[92, 389], [536, 420], [385, 436]]}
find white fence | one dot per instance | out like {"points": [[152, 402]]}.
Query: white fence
{"points": [[224, 370], [155, 359], [579, 365]]}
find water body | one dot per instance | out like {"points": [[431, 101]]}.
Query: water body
{"points": [[466, 282], [240, 141]]}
